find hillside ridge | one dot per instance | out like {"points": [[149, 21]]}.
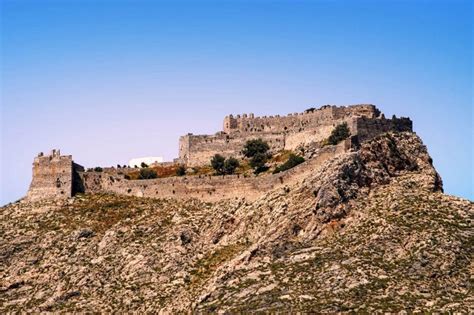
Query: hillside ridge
{"points": [[370, 230]]}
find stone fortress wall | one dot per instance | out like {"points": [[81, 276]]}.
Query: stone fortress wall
{"points": [[54, 176], [57, 176], [209, 188], [286, 132], [296, 122]]}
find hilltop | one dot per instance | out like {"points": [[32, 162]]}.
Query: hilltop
{"points": [[369, 229]]}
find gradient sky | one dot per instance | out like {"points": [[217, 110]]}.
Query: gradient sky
{"points": [[106, 81]]}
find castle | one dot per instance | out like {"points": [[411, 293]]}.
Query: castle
{"points": [[286, 132], [57, 176]]}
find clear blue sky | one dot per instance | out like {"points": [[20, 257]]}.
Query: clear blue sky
{"points": [[106, 81]]}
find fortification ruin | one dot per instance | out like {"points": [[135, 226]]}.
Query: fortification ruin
{"points": [[57, 176], [287, 132]]}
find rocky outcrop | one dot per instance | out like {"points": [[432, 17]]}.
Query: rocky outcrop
{"points": [[375, 163], [369, 231]]}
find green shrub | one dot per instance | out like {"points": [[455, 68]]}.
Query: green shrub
{"points": [[292, 161], [223, 166], [339, 133], [257, 162], [98, 169], [181, 170], [257, 151], [230, 165], [217, 163], [147, 173], [254, 147], [144, 165], [260, 169]]}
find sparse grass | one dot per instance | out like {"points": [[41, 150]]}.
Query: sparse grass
{"points": [[207, 170], [102, 211], [281, 156], [205, 266], [161, 171]]}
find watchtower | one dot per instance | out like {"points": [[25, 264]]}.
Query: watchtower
{"points": [[55, 176]]}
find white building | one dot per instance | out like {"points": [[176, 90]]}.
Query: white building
{"points": [[148, 160]]}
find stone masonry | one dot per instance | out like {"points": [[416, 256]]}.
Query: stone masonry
{"points": [[210, 188], [57, 176], [54, 176], [287, 132]]}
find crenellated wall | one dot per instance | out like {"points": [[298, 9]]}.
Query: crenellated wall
{"points": [[54, 176], [208, 188], [57, 176], [285, 132], [312, 118]]}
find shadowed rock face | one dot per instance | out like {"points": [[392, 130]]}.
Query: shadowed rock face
{"points": [[369, 231], [385, 157]]}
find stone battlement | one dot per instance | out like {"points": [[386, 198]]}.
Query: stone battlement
{"points": [[311, 117], [210, 188], [287, 132], [57, 176], [54, 176]]}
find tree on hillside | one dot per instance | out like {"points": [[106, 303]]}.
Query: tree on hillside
{"points": [[339, 133], [217, 163], [224, 166], [257, 151], [254, 147], [292, 161], [230, 165]]}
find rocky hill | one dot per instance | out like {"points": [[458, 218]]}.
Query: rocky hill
{"points": [[369, 231]]}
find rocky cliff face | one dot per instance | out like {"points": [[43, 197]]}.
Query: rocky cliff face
{"points": [[369, 231]]}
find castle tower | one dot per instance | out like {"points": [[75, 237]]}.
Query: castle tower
{"points": [[229, 123], [54, 177]]}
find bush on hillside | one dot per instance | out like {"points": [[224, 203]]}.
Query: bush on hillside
{"points": [[230, 165], [254, 147], [292, 161], [147, 173], [181, 170], [257, 151], [224, 166], [258, 162], [217, 163], [339, 133]]}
